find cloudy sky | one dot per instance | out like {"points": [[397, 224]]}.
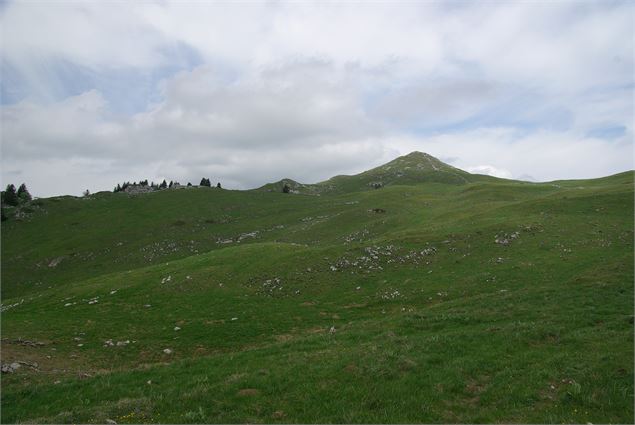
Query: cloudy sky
{"points": [[95, 93]]}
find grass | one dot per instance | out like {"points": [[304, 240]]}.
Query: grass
{"points": [[304, 309]]}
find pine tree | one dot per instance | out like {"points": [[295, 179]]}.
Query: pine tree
{"points": [[163, 185], [23, 193], [286, 188], [218, 185], [10, 196]]}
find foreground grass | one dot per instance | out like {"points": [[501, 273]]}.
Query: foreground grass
{"points": [[282, 327]]}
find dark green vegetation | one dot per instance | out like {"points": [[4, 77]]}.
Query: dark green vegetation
{"points": [[437, 298]]}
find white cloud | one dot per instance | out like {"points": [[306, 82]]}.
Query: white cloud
{"points": [[490, 170], [258, 131], [561, 43]]}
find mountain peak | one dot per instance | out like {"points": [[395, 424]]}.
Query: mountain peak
{"points": [[413, 168], [417, 160], [416, 154]]}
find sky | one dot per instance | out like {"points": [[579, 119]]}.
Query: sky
{"points": [[244, 93]]}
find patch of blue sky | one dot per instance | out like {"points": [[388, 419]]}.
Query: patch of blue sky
{"points": [[127, 90], [524, 116], [610, 132]]}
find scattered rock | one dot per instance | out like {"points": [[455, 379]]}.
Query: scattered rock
{"points": [[110, 421], [506, 239], [332, 330], [278, 414], [429, 251], [167, 351], [6, 307], [270, 286], [248, 235], [10, 368], [391, 295], [176, 328], [28, 364], [55, 261], [21, 341]]}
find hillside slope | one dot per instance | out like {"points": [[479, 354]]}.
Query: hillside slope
{"points": [[430, 300], [414, 168]]}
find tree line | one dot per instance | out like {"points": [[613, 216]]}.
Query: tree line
{"points": [[14, 197], [121, 187]]}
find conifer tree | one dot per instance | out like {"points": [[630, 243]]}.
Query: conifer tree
{"points": [[23, 193], [10, 196]]}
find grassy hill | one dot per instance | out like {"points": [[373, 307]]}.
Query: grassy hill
{"points": [[441, 297], [416, 167]]}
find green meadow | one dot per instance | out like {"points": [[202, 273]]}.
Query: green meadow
{"points": [[439, 297]]}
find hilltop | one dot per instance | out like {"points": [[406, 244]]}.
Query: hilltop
{"points": [[416, 167], [442, 296]]}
